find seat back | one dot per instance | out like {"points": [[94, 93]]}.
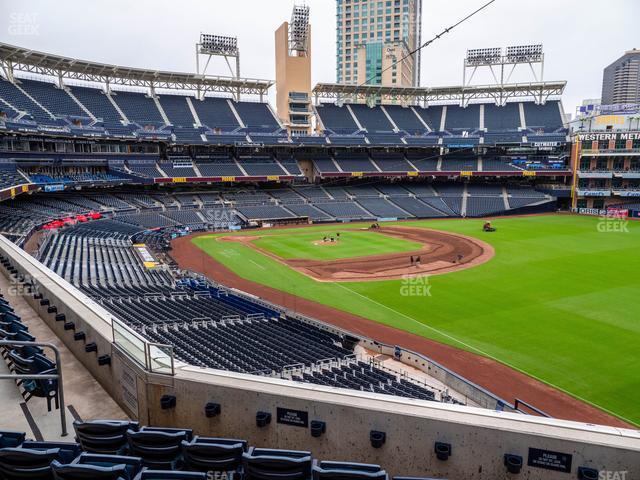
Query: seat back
{"points": [[103, 436], [132, 465], [9, 439], [170, 475], [347, 471], [67, 451], [213, 454], [24, 463], [157, 449], [75, 471], [268, 464]]}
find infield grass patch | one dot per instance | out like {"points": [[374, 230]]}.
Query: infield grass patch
{"points": [[351, 243]]}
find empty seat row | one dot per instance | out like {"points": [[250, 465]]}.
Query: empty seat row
{"points": [[121, 450]]}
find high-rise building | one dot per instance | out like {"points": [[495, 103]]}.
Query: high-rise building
{"points": [[621, 80], [372, 35]]}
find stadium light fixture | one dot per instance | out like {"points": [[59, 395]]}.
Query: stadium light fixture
{"points": [[218, 45], [299, 30], [484, 56], [524, 53]]}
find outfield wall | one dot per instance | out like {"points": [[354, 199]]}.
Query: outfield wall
{"points": [[479, 437]]}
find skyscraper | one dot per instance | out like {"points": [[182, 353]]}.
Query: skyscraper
{"points": [[372, 35], [621, 80]]}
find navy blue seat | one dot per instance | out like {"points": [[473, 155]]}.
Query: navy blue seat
{"points": [[11, 439], [157, 448], [170, 475], [206, 454], [27, 464], [67, 451], [20, 335], [37, 364], [87, 472], [133, 465], [347, 471], [269, 464], [103, 436]]}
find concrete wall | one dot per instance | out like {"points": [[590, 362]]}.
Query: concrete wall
{"points": [[479, 437]]}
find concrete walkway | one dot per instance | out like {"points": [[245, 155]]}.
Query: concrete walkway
{"points": [[84, 397]]}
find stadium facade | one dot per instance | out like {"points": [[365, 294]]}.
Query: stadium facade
{"points": [[606, 157]]}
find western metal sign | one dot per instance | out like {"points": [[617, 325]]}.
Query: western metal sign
{"points": [[602, 137]]}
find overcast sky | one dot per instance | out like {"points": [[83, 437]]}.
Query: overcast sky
{"points": [[580, 37]]}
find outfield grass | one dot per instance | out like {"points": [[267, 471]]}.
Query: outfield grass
{"points": [[351, 243], [559, 301]]}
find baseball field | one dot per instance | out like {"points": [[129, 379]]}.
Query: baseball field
{"points": [[558, 298]]}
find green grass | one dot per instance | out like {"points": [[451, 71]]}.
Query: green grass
{"points": [[559, 301], [352, 243]]}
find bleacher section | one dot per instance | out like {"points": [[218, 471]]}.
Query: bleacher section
{"points": [[201, 209], [207, 327], [124, 450], [222, 121]]}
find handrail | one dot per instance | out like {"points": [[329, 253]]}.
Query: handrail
{"points": [[58, 376], [519, 402]]}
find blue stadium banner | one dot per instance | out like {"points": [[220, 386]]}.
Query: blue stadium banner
{"points": [[549, 460], [53, 188], [296, 418]]}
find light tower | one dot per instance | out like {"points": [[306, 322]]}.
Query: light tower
{"points": [[293, 72], [211, 46], [502, 63]]}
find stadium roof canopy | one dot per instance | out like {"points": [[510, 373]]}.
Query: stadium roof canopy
{"points": [[539, 91], [22, 59]]}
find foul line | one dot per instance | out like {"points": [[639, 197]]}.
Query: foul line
{"points": [[471, 347]]}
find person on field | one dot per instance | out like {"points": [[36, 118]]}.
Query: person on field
{"points": [[412, 260]]}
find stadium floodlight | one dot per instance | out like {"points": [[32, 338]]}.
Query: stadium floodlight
{"points": [[218, 45], [484, 56], [299, 30], [502, 64], [524, 53]]}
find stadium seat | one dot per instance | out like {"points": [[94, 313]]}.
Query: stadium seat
{"points": [[158, 448], [82, 466], [326, 470], [36, 365], [27, 464], [103, 436], [9, 439], [67, 451], [75, 471], [213, 454], [170, 475], [269, 464]]}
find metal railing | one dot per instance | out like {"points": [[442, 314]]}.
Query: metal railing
{"points": [[56, 376]]}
